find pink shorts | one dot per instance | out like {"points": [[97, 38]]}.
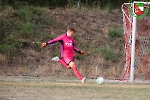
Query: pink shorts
{"points": [[68, 56], [68, 59]]}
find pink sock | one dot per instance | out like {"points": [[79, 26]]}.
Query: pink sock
{"points": [[63, 63], [76, 71]]}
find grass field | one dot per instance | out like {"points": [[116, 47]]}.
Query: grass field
{"points": [[67, 88]]}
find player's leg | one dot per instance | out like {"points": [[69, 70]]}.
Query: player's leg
{"points": [[76, 71], [69, 60], [61, 61]]}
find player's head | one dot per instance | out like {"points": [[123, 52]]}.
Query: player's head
{"points": [[70, 31]]}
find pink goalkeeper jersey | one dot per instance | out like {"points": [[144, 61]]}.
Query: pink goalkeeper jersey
{"points": [[67, 45]]}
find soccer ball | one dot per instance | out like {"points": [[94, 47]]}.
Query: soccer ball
{"points": [[100, 80]]}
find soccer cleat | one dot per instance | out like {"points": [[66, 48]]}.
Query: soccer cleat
{"points": [[83, 80], [55, 58]]}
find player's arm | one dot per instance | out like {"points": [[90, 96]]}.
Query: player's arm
{"points": [[52, 41], [78, 51]]}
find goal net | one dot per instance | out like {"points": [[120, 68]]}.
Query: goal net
{"points": [[136, 22]]}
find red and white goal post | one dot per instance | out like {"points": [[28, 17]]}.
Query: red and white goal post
{"points": [[136, 22]]}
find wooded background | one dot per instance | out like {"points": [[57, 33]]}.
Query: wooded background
{"points": [[63, 3]]}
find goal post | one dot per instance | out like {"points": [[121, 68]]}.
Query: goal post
{"points": [[133, 49], [137, 39]]}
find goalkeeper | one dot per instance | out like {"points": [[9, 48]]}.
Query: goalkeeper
{"points": [[67, 48]]}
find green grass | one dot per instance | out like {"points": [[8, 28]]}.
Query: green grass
{"points": [[67, 88]]}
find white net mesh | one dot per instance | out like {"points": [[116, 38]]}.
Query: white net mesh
{"points": [[142, 45], [142, 52]]}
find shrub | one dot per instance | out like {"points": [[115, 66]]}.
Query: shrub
{"points": [[4, 48], [116, 32], [25, 28], [108, 54]]}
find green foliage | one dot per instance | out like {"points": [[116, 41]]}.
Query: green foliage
{"points": [[3, 7], [5, 49], [62, 3], [22, 14], [5, 28], [20, 43], [22, 26], [109, 7], [116, 32], [108, 54], [26, 29]]}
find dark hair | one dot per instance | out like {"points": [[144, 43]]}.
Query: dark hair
{"points": [[71, 29]]}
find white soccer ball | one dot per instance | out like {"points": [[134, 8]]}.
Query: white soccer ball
{"points": [[100, 80]]}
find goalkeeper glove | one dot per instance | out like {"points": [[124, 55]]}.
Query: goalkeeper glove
{"points": [[43, 45], [82, 52]]}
